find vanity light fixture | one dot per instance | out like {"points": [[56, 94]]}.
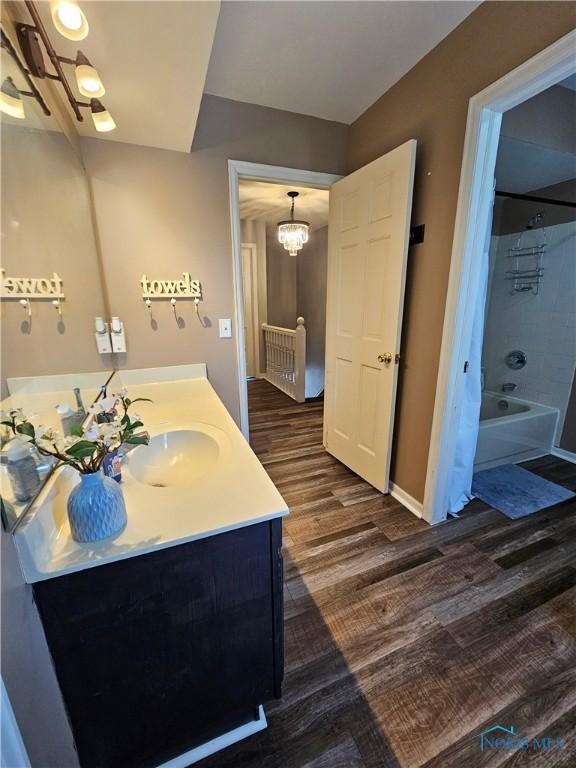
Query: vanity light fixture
{"points": [[101, 118], [293, 233], [10, 95], [10, 100], [87, 78], [69, 19]]}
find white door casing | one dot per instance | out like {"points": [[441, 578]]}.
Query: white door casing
{"points": [[368, 238]]}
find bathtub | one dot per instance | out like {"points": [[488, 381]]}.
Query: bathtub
{"points": [[518, 432]]}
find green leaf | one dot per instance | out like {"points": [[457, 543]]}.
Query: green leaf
{"points": [[26, 429], [125, 419], [136, 440], [127, 401], [136, 424], [7, 424], [140, 400], [76, 430], [83, 449]]}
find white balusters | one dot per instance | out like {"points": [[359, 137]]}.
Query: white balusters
{"points": [[286, 358]]}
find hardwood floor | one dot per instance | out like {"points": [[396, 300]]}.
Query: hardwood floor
{"points": [[404, 642]]}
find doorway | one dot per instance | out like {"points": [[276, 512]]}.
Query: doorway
{"points": [[285, 285], [475, 202], [369, 234], [240, 172]]}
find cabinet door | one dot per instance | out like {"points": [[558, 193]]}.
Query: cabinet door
{"points": [[159, 653]]}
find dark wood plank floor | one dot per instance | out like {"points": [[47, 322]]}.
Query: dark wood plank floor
{"points": [[404, 642]]}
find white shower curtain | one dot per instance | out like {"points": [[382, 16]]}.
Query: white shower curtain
{"points": [[460, 484]]}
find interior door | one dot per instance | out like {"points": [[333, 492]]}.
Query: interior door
{"points": [[249, 284], [368, 238]]}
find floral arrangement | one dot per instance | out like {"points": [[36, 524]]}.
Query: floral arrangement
{"points": [[87, 447]]}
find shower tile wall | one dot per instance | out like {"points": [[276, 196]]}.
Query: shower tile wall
{"points": [[543, 326]]}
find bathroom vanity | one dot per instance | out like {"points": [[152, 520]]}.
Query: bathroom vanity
{"points": [[168, 638]]}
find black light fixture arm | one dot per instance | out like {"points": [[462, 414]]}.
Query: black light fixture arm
{"points": [[6, 43], [38, 27]]}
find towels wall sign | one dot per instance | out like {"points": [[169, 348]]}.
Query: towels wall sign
{"points": [[31, 287], [183, 288]]}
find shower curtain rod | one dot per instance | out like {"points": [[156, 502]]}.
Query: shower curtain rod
{"points": [[534, 199]]}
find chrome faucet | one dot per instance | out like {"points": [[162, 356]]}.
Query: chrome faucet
{"points": [[509, 386]]}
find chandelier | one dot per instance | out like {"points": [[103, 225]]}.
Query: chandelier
{"points": [[293, 234]]}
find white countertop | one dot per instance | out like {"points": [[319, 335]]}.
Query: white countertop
{"points": [[235, 493]]}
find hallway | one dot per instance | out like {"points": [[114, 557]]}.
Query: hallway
{"points": [[404, 642]]}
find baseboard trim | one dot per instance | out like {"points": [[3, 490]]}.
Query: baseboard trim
{"points": [[221, 742], [415, 506], [560, 453]]}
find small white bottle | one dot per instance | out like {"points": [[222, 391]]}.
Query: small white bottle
{"points": [[22, 470]]}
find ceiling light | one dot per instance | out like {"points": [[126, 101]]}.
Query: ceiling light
{"points": [[293, 234], [10, 100], [69, 19], [87, 78], [103, 121]]}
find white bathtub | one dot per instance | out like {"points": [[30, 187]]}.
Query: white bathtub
{"points": [[520, 432]]}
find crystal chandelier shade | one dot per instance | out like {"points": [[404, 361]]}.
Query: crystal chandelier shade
{"points": [[293, 234]]}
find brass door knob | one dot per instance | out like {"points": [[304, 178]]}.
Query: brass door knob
{"points": [[385, 358]]}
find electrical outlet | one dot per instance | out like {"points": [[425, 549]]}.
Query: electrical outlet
{"points": [[225, 329]]}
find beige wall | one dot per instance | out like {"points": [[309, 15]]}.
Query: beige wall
{"points": [[430, 104], [47, 226], [546, 119], [281, 279], [163, 212]]}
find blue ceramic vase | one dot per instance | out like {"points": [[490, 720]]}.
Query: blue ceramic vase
{"points": [[96, 508]]}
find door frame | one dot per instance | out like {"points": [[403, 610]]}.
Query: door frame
{"points": [[237, 170], [485, 109]]}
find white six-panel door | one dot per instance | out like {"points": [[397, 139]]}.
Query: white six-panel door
{"points": [[368, 238]]}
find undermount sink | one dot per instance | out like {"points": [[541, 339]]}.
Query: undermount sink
{"points": [[176, 459]]}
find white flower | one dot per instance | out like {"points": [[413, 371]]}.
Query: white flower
{"points": [[109, 403], [93, 432], [95, 409], [16, 413], [47, 434]]}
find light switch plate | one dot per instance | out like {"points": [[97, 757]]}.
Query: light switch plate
{"points": [[225, 328]]}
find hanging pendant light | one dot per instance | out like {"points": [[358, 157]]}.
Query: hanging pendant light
{"points": [[293, 234]]}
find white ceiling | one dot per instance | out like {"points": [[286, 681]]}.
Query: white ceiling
{"points": [[152, 58], [327, 59], [523, 167], [269, 202]]}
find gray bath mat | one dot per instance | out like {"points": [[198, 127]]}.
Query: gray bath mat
{"points": [[516, 492]]}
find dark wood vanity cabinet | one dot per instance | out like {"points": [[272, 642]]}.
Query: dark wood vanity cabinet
{"points": [[158, 653]]}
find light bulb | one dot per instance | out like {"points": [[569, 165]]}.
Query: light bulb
{"points": [[10, 100], [88, 81], [102, 119], [69, 19]]}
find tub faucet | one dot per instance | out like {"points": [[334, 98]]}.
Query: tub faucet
{"points": [[509, 387]]}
